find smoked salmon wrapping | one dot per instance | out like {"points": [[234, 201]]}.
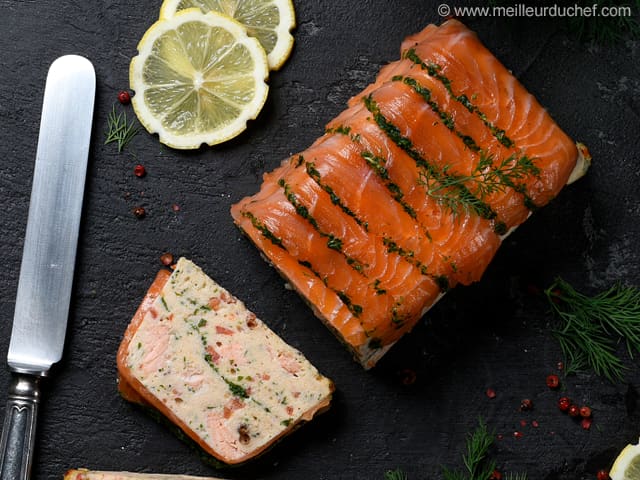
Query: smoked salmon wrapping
{"points": [[410, 190]]}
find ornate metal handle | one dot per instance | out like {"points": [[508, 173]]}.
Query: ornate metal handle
{"points": [[19, 430]]}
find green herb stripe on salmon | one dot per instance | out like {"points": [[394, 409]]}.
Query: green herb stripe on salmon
{"points": [[463, 197], [487, 176], [306, 263], [333, 242], [392, 245], [447, 118], [434, 71], [313, 173]]}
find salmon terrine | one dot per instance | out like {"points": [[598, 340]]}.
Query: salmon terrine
{"points": [[411, 190], [196, 354]]}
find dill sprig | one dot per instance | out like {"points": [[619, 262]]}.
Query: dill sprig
{"points": [[477, 464], [488, 177], [496, 178], [596, 28], [593, 326], [607, 30], [396, 474], [119, 129]]}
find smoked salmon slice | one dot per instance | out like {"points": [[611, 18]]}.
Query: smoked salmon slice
{"points": [[410, 190]]}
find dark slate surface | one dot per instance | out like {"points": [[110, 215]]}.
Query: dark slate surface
{"points": [[491, 335]]}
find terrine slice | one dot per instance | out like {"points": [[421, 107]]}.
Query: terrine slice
{"points": [[194, 352]]}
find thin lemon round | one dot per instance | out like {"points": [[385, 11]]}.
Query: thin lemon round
{"points": [[270, 21], [198, 78], [627, 465]]}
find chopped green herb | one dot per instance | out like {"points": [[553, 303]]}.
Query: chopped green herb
{"points": [[313, 172], [356, 310], [377, 164], [333, 242], [236, 389], [376, 287], [397, 319], [164, 304], [263, 229], [434, 71]]}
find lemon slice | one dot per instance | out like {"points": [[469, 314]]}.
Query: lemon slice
{"points": [[627, 465], [270, 21], [198, 78]]}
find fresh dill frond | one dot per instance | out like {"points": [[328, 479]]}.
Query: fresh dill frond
{"points": [[477, 449], [475, 460], [396, 474], [119, 130], [452, 474], [607, 29], [468, 192], [592, 326], [591, 24], [444, 190], [477, 464], [496, 178]]}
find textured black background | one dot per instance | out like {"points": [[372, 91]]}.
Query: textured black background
{"points": [[491, 335]]}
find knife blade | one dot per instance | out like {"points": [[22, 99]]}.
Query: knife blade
{"points": [[48, 259]]}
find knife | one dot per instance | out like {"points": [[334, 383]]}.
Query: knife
{"points": [[48, 259]]}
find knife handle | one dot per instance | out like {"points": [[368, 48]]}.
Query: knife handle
{"points": [[19, 430]]}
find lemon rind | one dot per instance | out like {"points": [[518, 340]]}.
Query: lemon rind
{"points": [[153, 124], [623, 460], [281, 51]]}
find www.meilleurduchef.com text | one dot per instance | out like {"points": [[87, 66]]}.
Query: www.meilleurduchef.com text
{"points": [[524, 10]]}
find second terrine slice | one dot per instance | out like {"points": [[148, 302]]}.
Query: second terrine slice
{"points": [[85, 474]]}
